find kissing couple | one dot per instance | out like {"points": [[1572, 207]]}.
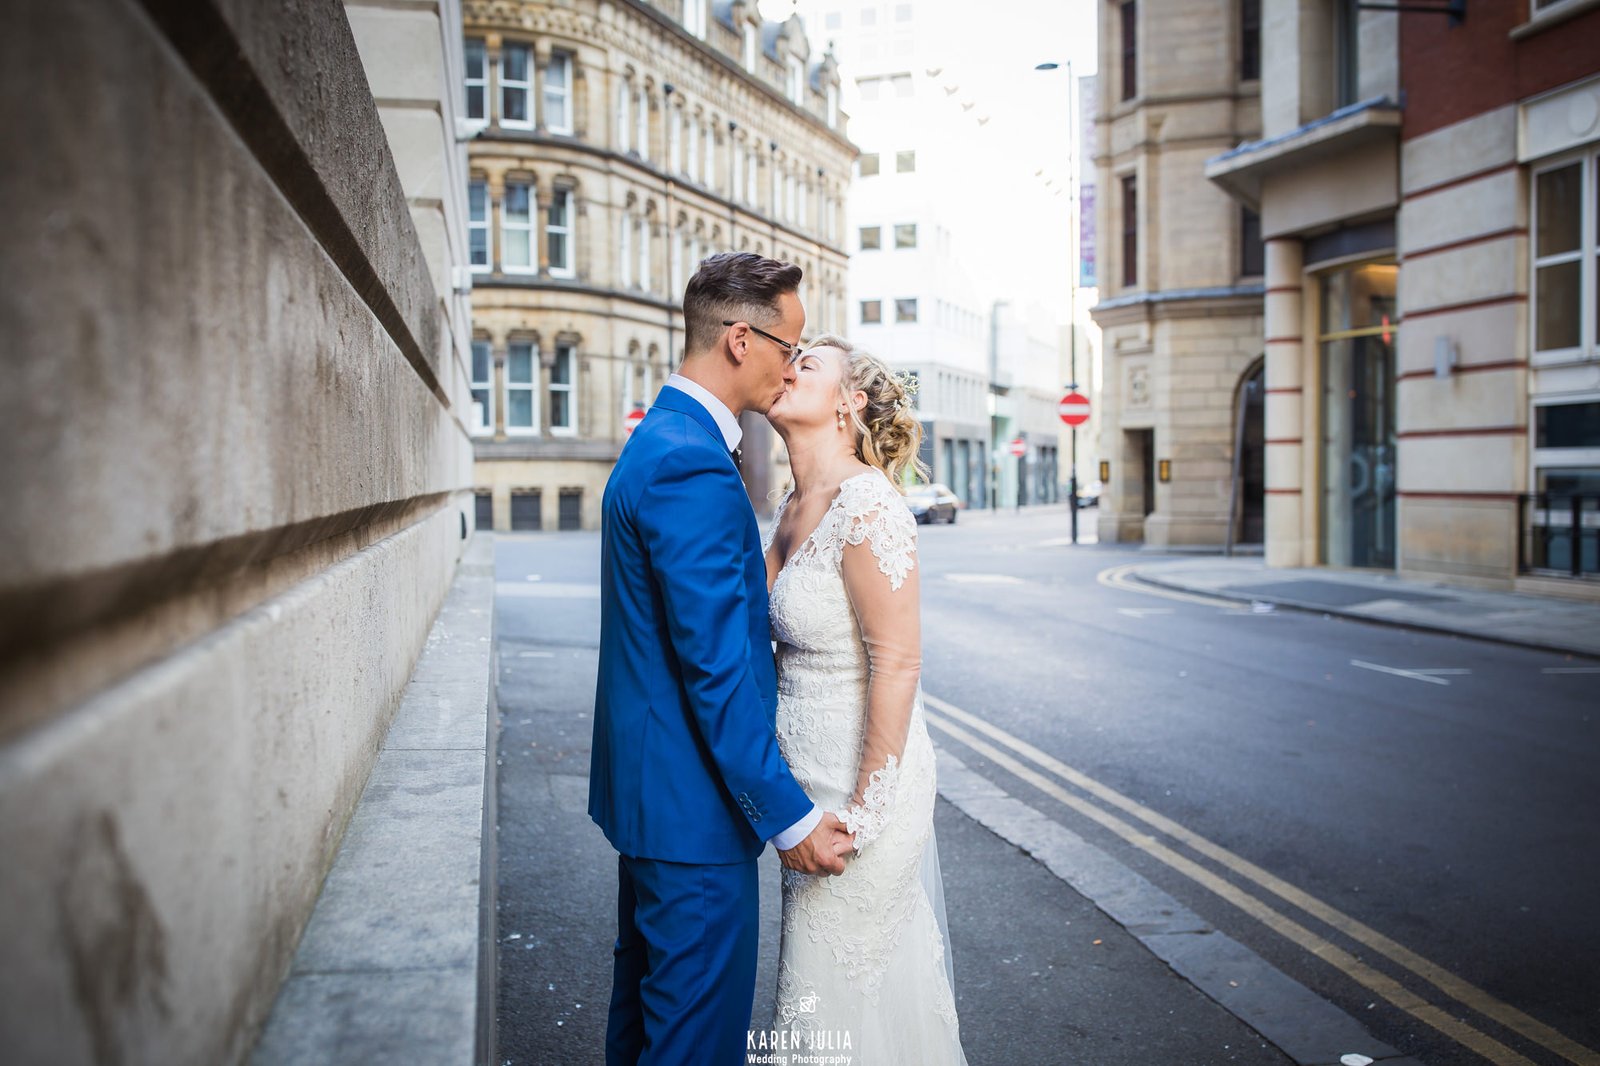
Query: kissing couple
{"points": [[708, 743]]}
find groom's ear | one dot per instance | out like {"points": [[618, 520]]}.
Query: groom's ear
{"points": [[736, 343]]}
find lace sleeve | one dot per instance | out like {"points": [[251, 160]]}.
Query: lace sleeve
{"points": [[879, 568]]}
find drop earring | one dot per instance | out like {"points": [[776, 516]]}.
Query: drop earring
{"points": [[841, 419]]}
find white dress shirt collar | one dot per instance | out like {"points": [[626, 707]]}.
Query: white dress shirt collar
{"points": [[732, 434]]}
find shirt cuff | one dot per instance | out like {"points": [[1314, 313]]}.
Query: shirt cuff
{"points": [[798, 831]]}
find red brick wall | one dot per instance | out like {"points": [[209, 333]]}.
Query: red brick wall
{"points": [[1450, 73]]}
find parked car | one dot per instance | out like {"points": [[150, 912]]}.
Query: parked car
{"points": [[1089, 494], [933, 503]]}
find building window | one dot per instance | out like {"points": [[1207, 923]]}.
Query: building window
{"points": [[521, 379], [750, 177], [561, 378], [694, 17], [483, 509], [871, 238], [868, 164], [625, 252], [558, 93], [905, 310], [905, 162], [869, 88], [902, 85], [691, 149], [482, 420], [569, 516], [641, 124], [525, 507], [558, 233], [748, 49], [674, 140], [833, 106], [1346, 53], [477, 81], [1249, 40], [478, 224], [711, 156], [797, 81], [515, 85], [1565, 314], [624, 125], [1130, 231], [902, 12], [736, 172], [905, 235], [1130, 50], [642, 238], [833, 20], [1252, 252], [516, 229], [871, 312]]}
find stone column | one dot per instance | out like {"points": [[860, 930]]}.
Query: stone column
{"points": [[547, 359], [541, 63], [1286, 425], [541, 242]]}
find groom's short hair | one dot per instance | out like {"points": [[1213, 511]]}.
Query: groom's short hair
{"points": [[734, 287]]}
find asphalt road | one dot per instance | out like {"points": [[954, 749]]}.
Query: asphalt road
{"points": [[1422, 854]]}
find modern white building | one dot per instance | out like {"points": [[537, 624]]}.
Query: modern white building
{"points": [[922, 294]]}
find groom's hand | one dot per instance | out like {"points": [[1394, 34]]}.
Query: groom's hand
{"points": [[823, 851]]}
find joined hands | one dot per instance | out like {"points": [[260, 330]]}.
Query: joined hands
{"points": [[824, 851]]}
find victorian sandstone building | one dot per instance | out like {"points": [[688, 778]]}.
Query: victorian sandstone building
{"points": [[615, 144], [1180, 274]]}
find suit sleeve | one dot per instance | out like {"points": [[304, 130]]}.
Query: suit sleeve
{"points": [[692, 519]]}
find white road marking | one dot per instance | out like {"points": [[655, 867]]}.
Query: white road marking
{"points": [[1428, 675], [1145, 612], [1571, 670], [983, 579]]}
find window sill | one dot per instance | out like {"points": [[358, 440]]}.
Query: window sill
{"points": [[1544, 20]]}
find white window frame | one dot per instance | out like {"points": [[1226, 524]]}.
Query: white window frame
{"points": [[623, 119], [469, 82], [477, 225], [641, 123], [507, 227], [644, 253], [524, 87], [1587, 255], [570, 353], [484, 424], [747, 47], [797, 81], [560, 201], [625, 252], [694, 17], [674, 140], [559, 92], [531, 387], [691, 148]]}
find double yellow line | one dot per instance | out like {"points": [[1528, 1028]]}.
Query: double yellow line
{"points": [[1454, 987]]}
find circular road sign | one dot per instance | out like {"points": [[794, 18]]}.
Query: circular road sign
{"points": [[1018, 447], [1073, 408], [630, 423]]}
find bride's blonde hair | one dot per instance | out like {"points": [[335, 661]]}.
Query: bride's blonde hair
{"points": [[887, 433]]}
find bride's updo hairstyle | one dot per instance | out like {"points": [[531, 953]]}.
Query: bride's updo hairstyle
{"points": [[887, 432]]}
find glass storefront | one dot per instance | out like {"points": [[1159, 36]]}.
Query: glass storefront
{"points": [[1356, 346]]}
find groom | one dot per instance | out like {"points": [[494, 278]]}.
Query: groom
{"points": [[686, 779]]}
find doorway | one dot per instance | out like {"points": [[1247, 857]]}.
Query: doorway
{"points": [[1356, 349], [1251, 470]]}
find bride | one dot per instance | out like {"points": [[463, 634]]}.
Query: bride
{"points": [[863, 961]]}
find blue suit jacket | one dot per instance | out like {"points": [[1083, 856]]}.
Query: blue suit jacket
{"points": [[685, 766]]}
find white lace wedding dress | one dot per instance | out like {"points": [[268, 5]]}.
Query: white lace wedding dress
{"points": [[863, 964]]}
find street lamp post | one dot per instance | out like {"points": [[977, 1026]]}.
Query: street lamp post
{"points": [[1072, 285]]}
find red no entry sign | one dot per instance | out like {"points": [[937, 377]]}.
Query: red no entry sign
{"points": [[630, 423], [1018, 447], [1073, 408]]}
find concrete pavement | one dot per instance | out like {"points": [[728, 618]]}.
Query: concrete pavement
{"points": [[1544, 622]]}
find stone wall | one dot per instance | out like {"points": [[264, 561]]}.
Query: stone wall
{"points": [[236, 481]]}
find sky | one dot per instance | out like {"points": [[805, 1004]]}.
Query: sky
{"points": [[1023, 255]]}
